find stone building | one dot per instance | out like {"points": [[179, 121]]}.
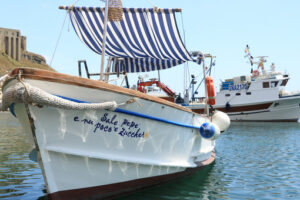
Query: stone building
{"points": [[14, 45]]}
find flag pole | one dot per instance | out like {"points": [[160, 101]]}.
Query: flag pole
{"points": [[104, 40]]}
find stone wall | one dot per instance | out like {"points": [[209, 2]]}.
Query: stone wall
{"points": [[13, 44]]}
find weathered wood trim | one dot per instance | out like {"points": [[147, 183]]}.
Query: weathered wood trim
{"points": [[45, 75]]}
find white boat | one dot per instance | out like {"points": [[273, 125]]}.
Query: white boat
{"points": [[259, 97], [98, 140]]}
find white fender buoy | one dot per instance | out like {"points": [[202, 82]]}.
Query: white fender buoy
{"points": [[221, 120]]}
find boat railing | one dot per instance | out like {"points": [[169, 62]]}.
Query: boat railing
{"points": [[88, 74], [199, 100]]}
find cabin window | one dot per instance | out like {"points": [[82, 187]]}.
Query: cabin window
{"points": [[274, 84], [238, 94], [266, 84], [284, 82], [248, 93], [227, 95]]}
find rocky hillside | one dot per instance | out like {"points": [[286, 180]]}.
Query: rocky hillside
{"points": [[7, 64]]}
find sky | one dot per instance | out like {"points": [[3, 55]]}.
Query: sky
{"points": [[222, 28]]}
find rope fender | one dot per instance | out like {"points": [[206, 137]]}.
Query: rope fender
{"points": [[2, 80], [26, 93]]}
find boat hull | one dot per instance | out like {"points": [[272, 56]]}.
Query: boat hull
{"points": [[285, 109], [127, 187], [110, 152]]}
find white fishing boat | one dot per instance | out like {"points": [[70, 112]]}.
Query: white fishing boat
{"points": [[96, 140], [260, 96]]}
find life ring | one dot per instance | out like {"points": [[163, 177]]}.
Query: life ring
{"points": [[210, 90], [255, 73]]}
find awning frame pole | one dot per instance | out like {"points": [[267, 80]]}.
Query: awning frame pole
{"points": [[104, 40], [206, 92]]}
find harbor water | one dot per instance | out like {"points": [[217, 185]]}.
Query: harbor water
{"points": [[254, 161]]}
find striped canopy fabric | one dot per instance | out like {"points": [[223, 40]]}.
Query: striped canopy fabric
{"points": [[146, 39]]}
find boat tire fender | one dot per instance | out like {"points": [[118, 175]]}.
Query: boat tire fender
{"points": [[227, 106]]}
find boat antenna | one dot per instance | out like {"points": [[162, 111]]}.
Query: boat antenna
{"points": [[250, 57]]}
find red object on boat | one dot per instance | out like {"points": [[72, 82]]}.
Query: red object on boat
{"points": [[210, 90]]}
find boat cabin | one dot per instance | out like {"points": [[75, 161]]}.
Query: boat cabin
{"points": [[242, 88]]}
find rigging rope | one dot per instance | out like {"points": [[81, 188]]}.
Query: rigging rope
{"points": [[60, 33]]}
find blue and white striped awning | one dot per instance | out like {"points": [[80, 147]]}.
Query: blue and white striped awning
{"points": [[130, 65], [147, 39]]}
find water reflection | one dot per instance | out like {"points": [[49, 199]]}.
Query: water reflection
{"points": [[20, 178], [254, 161]]}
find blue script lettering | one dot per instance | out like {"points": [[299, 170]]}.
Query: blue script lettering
{"points": [[88, 121], [136, 134], [109, 124], [102, 128], [129, 124], [109, 121]]}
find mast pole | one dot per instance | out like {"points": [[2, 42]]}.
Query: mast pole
{"points": [[206, 94], [104, 40]]}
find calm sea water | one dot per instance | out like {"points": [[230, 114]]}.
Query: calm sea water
{"points": [[254, 161]]}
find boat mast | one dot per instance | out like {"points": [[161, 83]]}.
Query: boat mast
{"points": [[104, 40], [206, 94]]}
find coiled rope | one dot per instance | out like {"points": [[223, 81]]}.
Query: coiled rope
{"points": [[2, 80], [23, 92]]}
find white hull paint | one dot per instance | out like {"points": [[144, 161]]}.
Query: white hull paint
{"points": [[284, 110], [288, 112], [75, 153]]}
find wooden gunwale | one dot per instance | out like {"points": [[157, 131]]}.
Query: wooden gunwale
{"points": [[38, 74]]}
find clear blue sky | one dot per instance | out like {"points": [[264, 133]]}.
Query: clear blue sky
{"points": [[222, 28]]}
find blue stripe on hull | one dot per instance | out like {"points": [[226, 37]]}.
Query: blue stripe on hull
{"points": [[127, 112]]}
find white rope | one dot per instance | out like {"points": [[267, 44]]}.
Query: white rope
{"points": [[2, 80], [25, 93]]}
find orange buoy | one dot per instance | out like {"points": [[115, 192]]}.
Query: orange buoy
{"points": [[210, 90]]}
